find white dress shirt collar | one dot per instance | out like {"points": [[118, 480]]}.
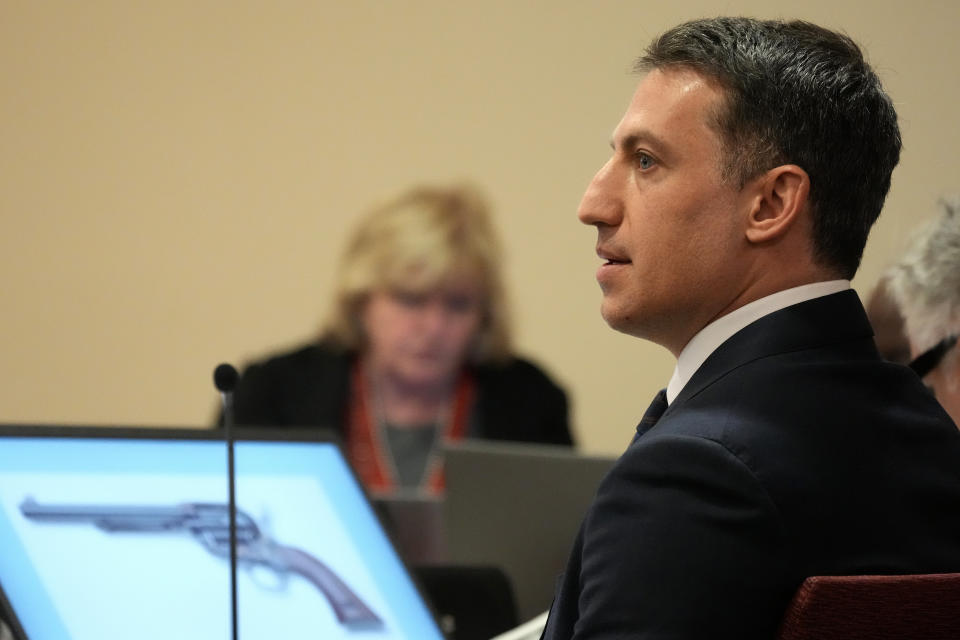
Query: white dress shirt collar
{"points": [[717, 332]]}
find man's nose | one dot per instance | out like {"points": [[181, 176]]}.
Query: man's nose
{"points": [[601, 203]]}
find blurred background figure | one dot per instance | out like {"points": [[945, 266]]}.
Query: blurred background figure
{"points": [[887, 321], [416, 351], [925, 283]]}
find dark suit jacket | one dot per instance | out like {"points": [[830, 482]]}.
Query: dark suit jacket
{"points": [[311, 387], [793, 451]]}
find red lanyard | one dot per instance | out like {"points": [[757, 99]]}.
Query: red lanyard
{"points": [[370, 454]]}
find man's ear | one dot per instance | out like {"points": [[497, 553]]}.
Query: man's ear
{"points": [[780, 199]]}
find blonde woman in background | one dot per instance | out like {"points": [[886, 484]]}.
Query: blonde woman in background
{"points": [[416, 351]]}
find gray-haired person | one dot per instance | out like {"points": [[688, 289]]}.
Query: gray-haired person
{"points": [[925, 283]]}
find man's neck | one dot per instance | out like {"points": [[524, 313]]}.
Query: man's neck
{"points": [[706, 341], [762, 280]]}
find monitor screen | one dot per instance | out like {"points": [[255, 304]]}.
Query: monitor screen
{"points": [[117, 536]]}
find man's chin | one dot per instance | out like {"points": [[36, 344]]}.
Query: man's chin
{"points": [[621, 321], [614, 317]]}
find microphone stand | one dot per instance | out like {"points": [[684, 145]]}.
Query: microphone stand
{"points": [[225, 378]]}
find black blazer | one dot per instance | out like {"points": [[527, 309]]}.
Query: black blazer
{"points": [[795, 450], [311, 387]]}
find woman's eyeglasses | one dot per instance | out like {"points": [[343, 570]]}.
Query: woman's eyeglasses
{"points": [[929, 359]]}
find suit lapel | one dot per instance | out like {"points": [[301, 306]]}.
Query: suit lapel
{"points": [[831, 319]]}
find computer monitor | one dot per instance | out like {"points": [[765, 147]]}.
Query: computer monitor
{"points": [[518, 506], [112, 533]]}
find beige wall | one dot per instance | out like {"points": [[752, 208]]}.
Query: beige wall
{"points": [[176, 178]]}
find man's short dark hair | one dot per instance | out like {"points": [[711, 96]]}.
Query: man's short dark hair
{"points": [[797, 94]]}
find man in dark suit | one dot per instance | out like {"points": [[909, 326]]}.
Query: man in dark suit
{"points": [[745, 176]]}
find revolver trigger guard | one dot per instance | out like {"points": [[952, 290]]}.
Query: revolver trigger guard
{"points": [[275, 582]]}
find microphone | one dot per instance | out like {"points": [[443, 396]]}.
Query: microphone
{"points": [[225, 378]]}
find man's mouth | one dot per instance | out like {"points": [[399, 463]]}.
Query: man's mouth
{"points": [[611, 258]]}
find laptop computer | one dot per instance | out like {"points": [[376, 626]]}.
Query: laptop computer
{"points": [[415, 524], [112, 533], [518, 506]]}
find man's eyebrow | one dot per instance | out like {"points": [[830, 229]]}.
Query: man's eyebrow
{"points": [[636, 139]]}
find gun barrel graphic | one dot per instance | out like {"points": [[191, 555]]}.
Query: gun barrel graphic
{"points": [[209, 524]]}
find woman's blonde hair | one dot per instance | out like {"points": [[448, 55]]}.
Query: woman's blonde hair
{"points": [[417, 242]]}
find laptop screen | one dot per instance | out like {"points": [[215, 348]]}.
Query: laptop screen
{"points": [[119, 534]]}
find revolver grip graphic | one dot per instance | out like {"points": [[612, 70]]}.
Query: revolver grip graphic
{"points": [[209, 524]]}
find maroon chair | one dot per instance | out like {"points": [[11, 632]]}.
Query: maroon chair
{"points": [[906, 607]]}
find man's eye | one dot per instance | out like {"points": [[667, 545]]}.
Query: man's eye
{"points": [[644, 161]]}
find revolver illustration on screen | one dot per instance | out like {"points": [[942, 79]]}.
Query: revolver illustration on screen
{"points": [[209, 524]]}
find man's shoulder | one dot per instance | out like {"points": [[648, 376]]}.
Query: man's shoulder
{"points": [[817, 333], [824, 383], [786, 414]]}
